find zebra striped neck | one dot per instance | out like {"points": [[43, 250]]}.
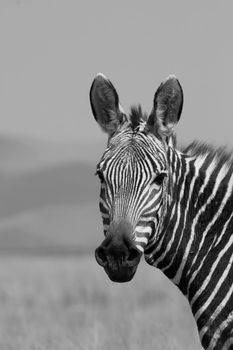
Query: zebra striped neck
{"points": [[194, 245]]}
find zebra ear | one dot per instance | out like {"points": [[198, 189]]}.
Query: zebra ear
{"points": [[168, 103], [105, 104]]}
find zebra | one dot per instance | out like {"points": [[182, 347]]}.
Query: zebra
{"points": [[174, 206]]}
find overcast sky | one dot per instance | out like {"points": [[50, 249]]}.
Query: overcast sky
{"points": [[51, 51]]}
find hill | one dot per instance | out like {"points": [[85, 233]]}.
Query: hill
{"points": [[48, 198]]}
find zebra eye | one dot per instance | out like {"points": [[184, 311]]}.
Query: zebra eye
{"points": [[158, 180], [100, 175]]}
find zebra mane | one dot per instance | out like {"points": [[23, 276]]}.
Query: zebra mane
{"points": [[221, 154], [136, 116], [196, 148]]}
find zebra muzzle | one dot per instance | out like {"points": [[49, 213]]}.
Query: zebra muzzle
{"points": [[118, 254]]}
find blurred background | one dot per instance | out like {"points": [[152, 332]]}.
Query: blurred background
{"points": [[49, 141]]}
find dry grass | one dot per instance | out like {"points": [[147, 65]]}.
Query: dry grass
{"points": [[69, 304]]}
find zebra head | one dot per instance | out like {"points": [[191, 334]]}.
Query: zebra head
{"points": [[133, 172]]}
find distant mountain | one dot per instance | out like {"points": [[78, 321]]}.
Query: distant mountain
{"points": [[23, 154], [48, 198], [61, 184]]}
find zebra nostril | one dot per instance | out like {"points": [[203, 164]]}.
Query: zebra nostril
{"points": [[134, 254], [100, 256]]}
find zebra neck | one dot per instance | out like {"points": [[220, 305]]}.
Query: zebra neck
{"points": [[192, 225], [194, 247]]}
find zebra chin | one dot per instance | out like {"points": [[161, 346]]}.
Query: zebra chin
{"points": [[122, 274]]}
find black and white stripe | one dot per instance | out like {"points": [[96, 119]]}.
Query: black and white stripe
{"points": [[195, 244], [125, 172]]}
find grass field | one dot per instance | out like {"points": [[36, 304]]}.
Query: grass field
{"points": [[69, 304]]}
